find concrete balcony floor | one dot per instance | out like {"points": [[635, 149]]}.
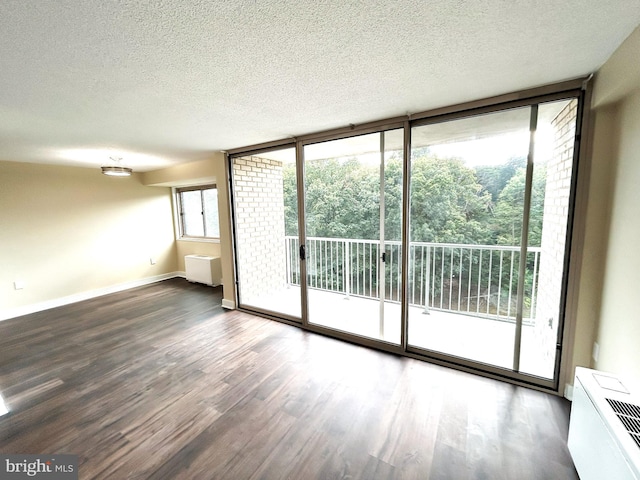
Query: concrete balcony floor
{"points": [[480, 339]]}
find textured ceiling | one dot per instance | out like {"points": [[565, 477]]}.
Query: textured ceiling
{"points": [[168, 81]]}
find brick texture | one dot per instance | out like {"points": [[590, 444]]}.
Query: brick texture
{"points": [[554, 232], [259, 202]]}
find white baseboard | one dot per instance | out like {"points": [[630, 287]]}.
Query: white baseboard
{"points": [[568, 392], [228, 304], [79, 297]]}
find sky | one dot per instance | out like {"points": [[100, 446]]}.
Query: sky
{"points": [[498, 149]]}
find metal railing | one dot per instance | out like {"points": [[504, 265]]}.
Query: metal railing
{"points": [[479, 280]]}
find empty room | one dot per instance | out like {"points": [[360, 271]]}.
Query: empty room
{"points": [[362, 240]]}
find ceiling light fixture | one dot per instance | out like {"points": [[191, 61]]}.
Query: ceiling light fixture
{"points": [[116, 170]]}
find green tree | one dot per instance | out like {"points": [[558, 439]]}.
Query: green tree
{"points": [[494, 178], [509, 209], [342, 199], [448, 205], [393, 198], [449, 201], [290, 200]]}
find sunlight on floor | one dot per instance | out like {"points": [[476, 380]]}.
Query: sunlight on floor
{"points": [[3, 408], [484, 340]]}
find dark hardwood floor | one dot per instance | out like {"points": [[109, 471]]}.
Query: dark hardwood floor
{"points": [[160, 382]]}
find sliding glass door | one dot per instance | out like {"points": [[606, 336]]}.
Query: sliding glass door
{"points": [[353, 219], [471, 266], [266, 230], [490, 197], [467, 204], [551, 194]]}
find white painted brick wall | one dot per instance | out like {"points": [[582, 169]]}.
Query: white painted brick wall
{"points": [[554, 231], [259, 202]]}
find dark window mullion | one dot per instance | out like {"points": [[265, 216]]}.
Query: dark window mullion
{"points": [[204, 223], [181, 214]]}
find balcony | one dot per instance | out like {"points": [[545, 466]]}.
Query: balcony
{"points": [[474, 179], [477, 280], [462, 298]]}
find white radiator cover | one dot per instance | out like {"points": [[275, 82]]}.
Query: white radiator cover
{"points": [[203, 269], [600, 445]]}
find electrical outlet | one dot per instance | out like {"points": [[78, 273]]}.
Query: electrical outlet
{"points": [[19, 284], [596, 351], [152, 261]]}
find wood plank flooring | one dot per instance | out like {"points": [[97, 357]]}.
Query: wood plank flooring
{"points": [[160, 382]]}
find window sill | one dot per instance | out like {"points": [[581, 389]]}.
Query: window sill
{"points": [[199, 240]]}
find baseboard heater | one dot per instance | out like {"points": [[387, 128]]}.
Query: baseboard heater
{"points": [[604, 427], [203, 269]]}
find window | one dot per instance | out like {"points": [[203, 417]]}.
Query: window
{"points": [[198, 212], [471, 269]]}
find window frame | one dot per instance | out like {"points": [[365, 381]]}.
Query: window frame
{"points": [[579, 88], [178, 199]]}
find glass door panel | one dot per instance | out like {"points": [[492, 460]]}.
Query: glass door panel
{"points": [[547, 236], [466, 211], [266, 220], [391, 234], [353, 264], [474, 183]]}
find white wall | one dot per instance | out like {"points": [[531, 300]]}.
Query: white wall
{"points": [[67, 230], [212, 170], [610, 278], [618, 332]]}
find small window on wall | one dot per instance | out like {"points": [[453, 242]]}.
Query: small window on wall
{"points": [[198, 212]]}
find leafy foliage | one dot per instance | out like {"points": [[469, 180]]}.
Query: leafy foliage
{"points": [[508, 211], [342, 198], [494, 178], [450, 202]]}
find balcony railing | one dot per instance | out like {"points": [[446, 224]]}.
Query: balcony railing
{"points": [[479, 280]]}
